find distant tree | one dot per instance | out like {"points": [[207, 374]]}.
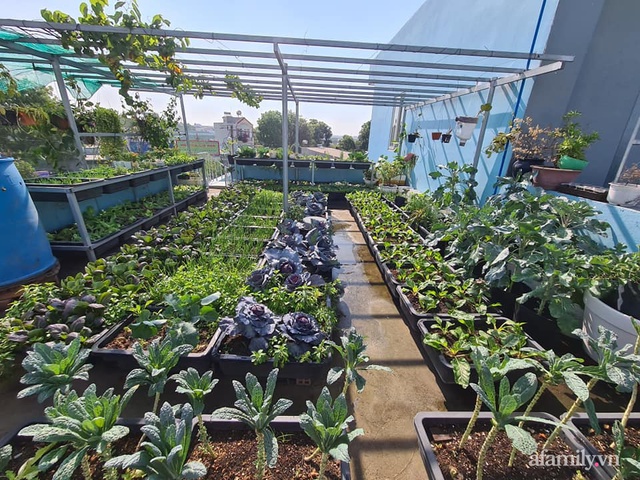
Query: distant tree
{"points": [[320, 132], [363, 136], [269, 131], [347, 143]]}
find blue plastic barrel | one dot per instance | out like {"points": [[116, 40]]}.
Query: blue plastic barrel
{"points": [[25, 251]]}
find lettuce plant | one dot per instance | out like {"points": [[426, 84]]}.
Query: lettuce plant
{"points": [[53, 367], [352, 349], [326, 423], [79, 425], [164, 454], [156, 364], [256, 408]]}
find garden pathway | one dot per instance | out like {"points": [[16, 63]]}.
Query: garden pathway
{"points": [[387, 406]]}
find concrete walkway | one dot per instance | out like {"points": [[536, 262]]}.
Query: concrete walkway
{"points": [[387, 406]]}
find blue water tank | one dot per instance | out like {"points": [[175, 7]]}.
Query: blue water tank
{"points": [[25, 251]]}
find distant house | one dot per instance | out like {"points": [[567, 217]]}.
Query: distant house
{"points": [[237, 128]]}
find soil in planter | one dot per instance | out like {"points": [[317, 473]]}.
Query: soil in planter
{"points": [[460, 463], [604, 442], [23, 449], [125, 340], [235, 455]]}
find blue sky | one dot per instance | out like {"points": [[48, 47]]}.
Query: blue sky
{"points": [[359, 20]]}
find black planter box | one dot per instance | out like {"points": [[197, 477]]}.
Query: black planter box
{"points": [[361, 165], [142, 180], [157, 176], [442, 365], [425, 421], [581, 442], [117, 186], [323, 164], [301, 163], [124, 360], [342, 165], [238, 366], [411, 315], [282, 423], [259, 162]]}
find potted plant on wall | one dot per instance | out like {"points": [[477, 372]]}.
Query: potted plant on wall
{"points": [[412, 137], [627, 190], [570, 154]]}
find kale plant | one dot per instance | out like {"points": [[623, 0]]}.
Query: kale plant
{"points": [[53, 367], [256, 408], [164, 454], [326, 423], [78, 426]]}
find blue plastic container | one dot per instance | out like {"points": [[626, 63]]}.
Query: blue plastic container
{"points": [[25, 251]]}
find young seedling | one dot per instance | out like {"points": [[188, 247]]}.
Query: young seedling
{"points": [[164, 454], [352, 350], [502, 405], [556, 370], [53, 368], [196, 387], [81, 425], [499, 366], [156, 364], [255, 407], [326, 424], [615, 366], [628, 457]]}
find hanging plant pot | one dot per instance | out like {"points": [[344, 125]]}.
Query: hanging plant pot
{"points": [[464, 128], [411, 138], [26, 119], [446, 137], [436, 135], [9, 117], [59, 122]]}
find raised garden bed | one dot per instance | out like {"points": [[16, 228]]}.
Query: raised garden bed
{"points": [[439, 434]]}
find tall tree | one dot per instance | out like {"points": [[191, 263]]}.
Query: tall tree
{"points": [[363, 136], [320, 132], [269, 132], [347, 143]]}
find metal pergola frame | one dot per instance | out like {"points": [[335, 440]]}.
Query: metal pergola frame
{"points": [[429, 77]]}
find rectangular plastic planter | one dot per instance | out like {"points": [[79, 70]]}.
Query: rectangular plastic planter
{"points": [[442, 365], [124, 358], [238, 366], [425, 421], [581, 442], [283, 423]]}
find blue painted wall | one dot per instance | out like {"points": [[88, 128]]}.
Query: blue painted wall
{"points": [[494, 25]]}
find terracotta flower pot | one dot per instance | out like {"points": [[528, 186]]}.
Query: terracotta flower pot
{"points": [[436, 135], [26, 120], [550, 178]]}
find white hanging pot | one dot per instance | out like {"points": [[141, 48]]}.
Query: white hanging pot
{"points": [[464, 128], [623, 194]]}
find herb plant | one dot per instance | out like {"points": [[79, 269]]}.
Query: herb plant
{"points": [[256, 407], [628, 456]]}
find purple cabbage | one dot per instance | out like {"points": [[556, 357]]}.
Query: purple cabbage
{"points": [[258, 279], [253, 321], [302, 330], [296, 280], [285, 261], [315, 209]]}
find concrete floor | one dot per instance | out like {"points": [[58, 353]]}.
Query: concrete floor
{"points": [[389, 402]]}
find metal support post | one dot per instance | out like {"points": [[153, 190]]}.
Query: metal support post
{"points": [[313, 172], [184, 122], [285, 144], [297, 127], [483, 128], [172, 199], [82, 227], [68, 111]]}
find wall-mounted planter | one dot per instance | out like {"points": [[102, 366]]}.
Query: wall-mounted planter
{"points": [[361, 165], [342, 165], [411, 138], [238, 366], [323, 164], [301, 163], [446, 137], [436, 135]]}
